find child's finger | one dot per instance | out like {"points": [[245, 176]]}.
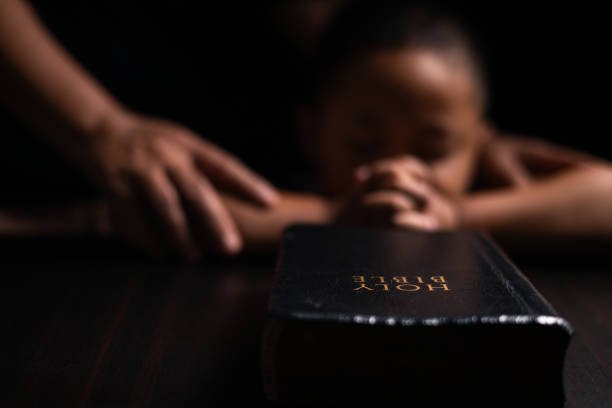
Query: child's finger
{"points": [[381, 206], [394, 179], [416, 220], [408, 164], [392, 200]]}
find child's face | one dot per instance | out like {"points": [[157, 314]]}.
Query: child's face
{"points": [[400, 102]]}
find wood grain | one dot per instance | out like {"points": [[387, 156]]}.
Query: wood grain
{"points": [[88, 323]]}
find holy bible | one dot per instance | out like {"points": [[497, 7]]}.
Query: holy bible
{"points": [[365, 315]]}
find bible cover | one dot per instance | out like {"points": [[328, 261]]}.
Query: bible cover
{"points": [[362, 315]]}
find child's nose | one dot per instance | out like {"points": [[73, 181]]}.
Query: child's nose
{"points": [[397, 142]]}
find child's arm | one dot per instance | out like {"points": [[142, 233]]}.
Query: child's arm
{"points": [[261, 228], [386, 192], [510, 160], [575, 203], [75, 219]]}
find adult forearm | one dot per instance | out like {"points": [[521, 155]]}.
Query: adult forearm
{"points": [[147, 167], [44, 85]]}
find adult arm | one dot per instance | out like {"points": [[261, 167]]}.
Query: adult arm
{"points": [[160, 178]]}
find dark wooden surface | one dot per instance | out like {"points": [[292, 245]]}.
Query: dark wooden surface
{"points": [[89, 324]]}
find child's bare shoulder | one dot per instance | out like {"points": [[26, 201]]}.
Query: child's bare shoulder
{"points": [[511, 159]]}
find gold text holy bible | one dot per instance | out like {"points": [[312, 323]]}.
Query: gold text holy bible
{"points": [[366, 315]]}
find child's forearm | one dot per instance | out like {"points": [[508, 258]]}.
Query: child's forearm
{"points": [[78, 219], [262, 228], [573, 204]]}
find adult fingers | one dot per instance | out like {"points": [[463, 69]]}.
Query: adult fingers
{"points": [[228, 172], [207, 209], [165, 202]]}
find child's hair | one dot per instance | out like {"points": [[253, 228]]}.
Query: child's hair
{"points": [[366, 26]]}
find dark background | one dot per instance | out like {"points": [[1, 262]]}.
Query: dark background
{"points": [[86, 324], [231, 74], [545, 68]]}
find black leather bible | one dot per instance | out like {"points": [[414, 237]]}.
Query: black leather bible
{"points": [[366, 315]]}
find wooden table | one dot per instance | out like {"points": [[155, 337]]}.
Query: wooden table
{"points": [[90, 324]]}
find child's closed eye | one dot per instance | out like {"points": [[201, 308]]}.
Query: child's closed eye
{"points": [[364, 146], [433, 143], [363, 139]]}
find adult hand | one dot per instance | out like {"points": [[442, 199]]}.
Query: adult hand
{"points": [[160, 178], [162, 181]]}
